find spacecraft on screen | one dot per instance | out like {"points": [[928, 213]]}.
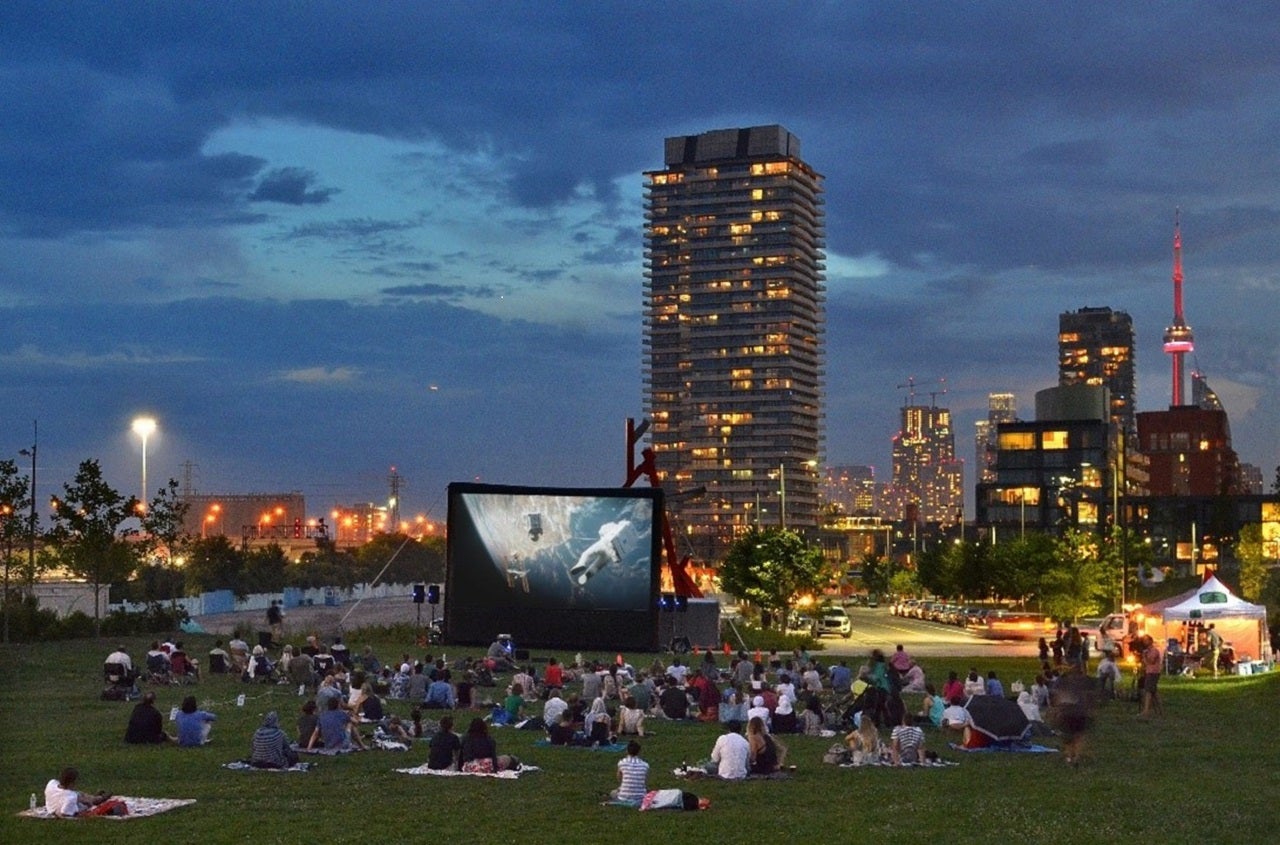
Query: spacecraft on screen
{"points": [[616, 540]]}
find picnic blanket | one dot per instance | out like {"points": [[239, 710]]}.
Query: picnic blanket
{"points": [[692, 773], [509, 774], [923, 764], [616, 748], [138, 808], [1017, 747], [246, 766]]}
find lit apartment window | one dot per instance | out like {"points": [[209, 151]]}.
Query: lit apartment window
{"points": [[1016, 440], [1054, 440]]}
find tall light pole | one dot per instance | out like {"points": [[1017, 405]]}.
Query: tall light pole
{"points": [[782, 496], [144, 427], [31, 528]]}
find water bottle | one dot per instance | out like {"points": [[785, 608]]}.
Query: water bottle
{"points": [[240, 700], [32, 803]]}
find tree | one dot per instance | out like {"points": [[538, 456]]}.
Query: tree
{"points": [[770, 568], [410, 563], [876, 572], [14, 505], [904, 583], [164, 522], [1077, 582], [214, 564], [1018, 566], [88, 525], [1253, 562]]}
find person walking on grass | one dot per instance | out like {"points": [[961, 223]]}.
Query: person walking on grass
{"points": [[1152, 666]]}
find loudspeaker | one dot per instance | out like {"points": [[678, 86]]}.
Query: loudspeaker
{"points": [[419, 593], [433, 594], [680, 645], [522, 654]]}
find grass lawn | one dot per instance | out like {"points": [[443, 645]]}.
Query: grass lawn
{"points": [[1205, 772]]}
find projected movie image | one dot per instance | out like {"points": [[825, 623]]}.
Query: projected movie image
{"points": [[515, 550]]}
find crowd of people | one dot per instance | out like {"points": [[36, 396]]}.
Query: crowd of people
{"points": [[756, 700]]}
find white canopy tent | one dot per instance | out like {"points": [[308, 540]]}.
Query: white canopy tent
{"points": [[1241, 623]]}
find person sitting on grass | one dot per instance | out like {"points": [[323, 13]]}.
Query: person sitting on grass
{"points": [[514, 704], [673, 700], [307, 721], [765, 754], [554, 708], [146, 725], [812, 722], [630, 718], [440, 694], [633, 777], [907, 742], [562, 731], [62, 799], [444, 747], [932, 707], [864, 740], [194, 724], [730, 756], [479, 753], [597, 724], [270, 748], [334, 731]]}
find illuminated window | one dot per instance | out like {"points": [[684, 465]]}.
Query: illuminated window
{"points": [[1054, 440], [740, 229], [1019, 496], [757, 194], [1016, 440], [1087, 513]]}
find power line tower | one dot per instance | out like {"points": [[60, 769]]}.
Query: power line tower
{"points": [[189, 474]]}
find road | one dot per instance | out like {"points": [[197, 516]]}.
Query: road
{"points": [[872, 628], [876, 628]]}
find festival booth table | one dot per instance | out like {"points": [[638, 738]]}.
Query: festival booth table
{"points": [[1240, 623]]}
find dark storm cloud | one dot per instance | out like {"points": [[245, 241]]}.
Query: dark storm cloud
{"points": [[925, 117], [402, 269], [291, 186], [450, 293]]}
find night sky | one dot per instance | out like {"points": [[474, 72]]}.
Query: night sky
{"points": [[318, 240]]}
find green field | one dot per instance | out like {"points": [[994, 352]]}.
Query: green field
{"points": [[1206, 772]]}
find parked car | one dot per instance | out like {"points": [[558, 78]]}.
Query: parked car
{"points": [[834, 620]]}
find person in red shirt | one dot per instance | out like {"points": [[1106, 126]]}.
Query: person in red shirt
{"points": [[553, 676]]}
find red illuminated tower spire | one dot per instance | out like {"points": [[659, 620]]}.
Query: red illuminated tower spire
{"points": [[1178, 340]]}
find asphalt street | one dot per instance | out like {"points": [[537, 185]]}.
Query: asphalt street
{"points": [[872, 628]]}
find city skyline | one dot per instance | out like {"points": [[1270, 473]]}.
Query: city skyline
{"points": [[318, 242]]}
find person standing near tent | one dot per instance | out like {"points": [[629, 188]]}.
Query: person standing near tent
{"points": [[1152, 666], [1215, 648]]}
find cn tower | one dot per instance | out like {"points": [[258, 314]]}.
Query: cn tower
{"points": [[1178, 340]]}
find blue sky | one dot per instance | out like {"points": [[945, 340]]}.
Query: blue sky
{"points": [[319, 240]]}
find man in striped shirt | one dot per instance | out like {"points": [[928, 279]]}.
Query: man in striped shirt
{"points": [[633, 776]]}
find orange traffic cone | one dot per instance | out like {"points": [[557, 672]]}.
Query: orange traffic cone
{"points": [[758, 658], [727, 650], [618, 659]]}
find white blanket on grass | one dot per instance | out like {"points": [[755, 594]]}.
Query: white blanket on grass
{"points": [[509, 774], [138, 808]]}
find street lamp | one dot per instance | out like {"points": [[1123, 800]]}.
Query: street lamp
{"points": [[144, 427]]}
